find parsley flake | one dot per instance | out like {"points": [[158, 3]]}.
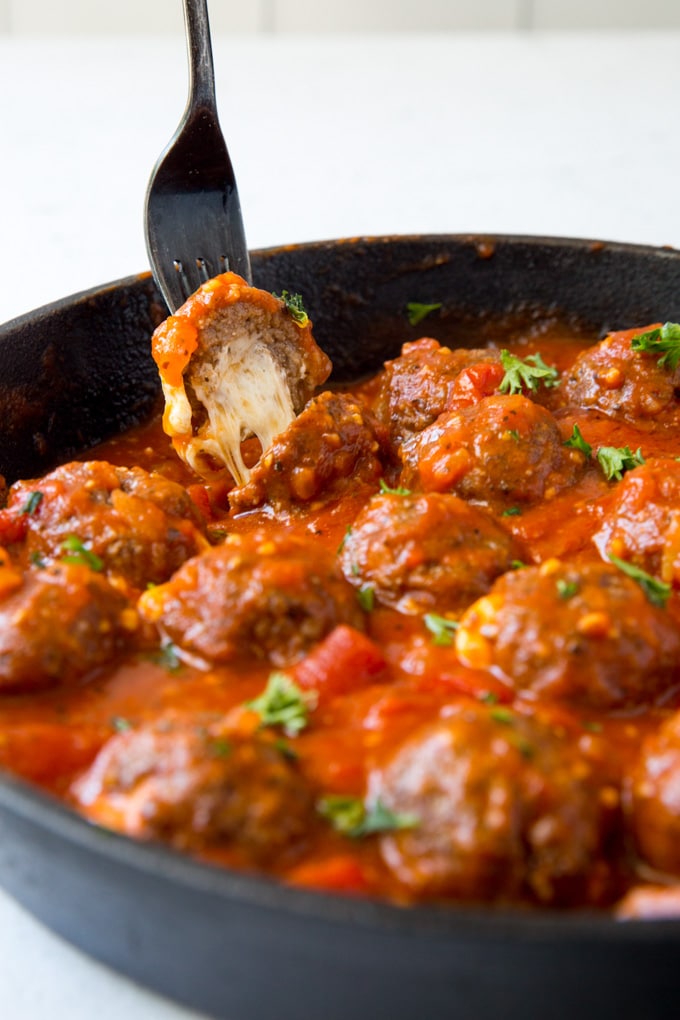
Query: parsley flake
{"points": [[366, 597], [441, 629], [220, 747], [351, 817], [284, 704], [121, 724], [658, 592], [348, 532], [32, 503], [77, 553], [577, 442], [502, 715], [399, 491], [512, 511], [167, 657], [615, 460], [566, 589], [526, 373], [416, 312], [294, 307], [664, 340]]}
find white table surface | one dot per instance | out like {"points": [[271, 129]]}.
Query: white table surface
{"points": [[570, 135]]}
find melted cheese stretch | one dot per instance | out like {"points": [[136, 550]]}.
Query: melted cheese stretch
{"points": [[244, 393]]}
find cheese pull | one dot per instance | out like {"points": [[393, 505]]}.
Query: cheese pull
{"points": [[234, 362]]}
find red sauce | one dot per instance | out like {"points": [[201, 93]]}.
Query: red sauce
{"points": [[386, 690]]}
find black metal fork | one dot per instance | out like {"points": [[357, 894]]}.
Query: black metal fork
{"points": [[194, 228]]}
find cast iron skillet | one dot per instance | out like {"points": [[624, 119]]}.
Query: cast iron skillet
{"points": [[246, 948]]}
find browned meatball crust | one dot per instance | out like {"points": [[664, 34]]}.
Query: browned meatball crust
{"points": [[234, 361], [332, 445], [623, 383], [425, 552], [60, 624], [189, 781], [585, 635], [654, 798], [264, 598], [504, 450], [417, 386], [141, 525], [501, 806], [643, 524]]}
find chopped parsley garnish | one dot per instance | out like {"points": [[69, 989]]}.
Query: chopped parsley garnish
{"points": [[512, 511], [566, 589], [366, 597], [284, 748], [517, 565], [658, 592], [121, 724], [441, 629], [416, 311], [282, 703], [32, 503], [37, 559], [348, 532], [488, 697], [615, 460], [351, 817], [577, 442], [664, 340], [514, 434], [220, 747], [399, 491], [167, 657], [526, 373], [502, 715], [294, 307], [77, 553], [592, 727]]}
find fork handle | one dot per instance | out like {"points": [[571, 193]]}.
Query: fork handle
{"points": [[201, 67]]}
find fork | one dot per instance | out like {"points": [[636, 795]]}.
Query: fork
{"points": [[193, 223]]}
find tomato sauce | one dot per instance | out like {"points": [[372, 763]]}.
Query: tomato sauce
{"points": [[375, 686]]}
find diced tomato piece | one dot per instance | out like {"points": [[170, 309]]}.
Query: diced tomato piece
{"points": [[344, 661], [341, 873], [474, 383], [13, 527], [200, 498], [473, 682]]}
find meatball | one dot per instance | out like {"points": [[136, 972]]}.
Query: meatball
{"points": [[234, 361], [497, 806], [189, 781], [58, 624], [654, 798], [432, 551], [419, 385], [139, 524], [643, 524], [505, 450], [330, 447], [585, 635], [265, 598], [623, 383]]}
